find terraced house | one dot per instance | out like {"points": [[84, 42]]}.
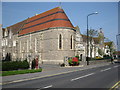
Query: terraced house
{"points": [[49, 37]]}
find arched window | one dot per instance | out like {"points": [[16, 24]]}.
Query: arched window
{"points": [[71, 42], [60, 41], [27, 46], [20, 47], [36, 43]]}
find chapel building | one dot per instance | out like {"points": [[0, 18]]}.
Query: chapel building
{"points": [[50, 37]]}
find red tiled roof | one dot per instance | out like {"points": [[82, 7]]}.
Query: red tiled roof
{"points": [[17, 27], [53, 18]]}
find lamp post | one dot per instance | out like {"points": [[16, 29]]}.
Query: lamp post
{"points": [[87, 59]]}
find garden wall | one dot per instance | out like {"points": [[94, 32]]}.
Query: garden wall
{"points": [[99, 61]]}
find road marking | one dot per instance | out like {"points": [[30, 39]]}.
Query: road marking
{"points": [[105, 69], [48, 86], [115, 86], [45, 76], [82, 76], [40, 77], [116, 66]]}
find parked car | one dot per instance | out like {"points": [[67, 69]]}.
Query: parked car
{"points": [[116, 60]]}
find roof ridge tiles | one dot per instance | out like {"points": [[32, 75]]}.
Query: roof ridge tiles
{"points": [[48, 11]]}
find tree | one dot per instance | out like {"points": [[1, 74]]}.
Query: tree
{"points": [[111, 47], [101, 42], [100, 52], [92, 33]]}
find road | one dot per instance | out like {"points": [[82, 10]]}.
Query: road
{"points": [[99, 77]]}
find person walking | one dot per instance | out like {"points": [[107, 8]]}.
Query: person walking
{"points": [[111, 60]]}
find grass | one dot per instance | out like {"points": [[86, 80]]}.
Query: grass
{"points": [[0, 73], [7, 73]]}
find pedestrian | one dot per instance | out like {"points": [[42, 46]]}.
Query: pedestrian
{"points": [[112, 60]]}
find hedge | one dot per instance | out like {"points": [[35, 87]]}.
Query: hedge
{"points": [[14, 65], [104, 58]]}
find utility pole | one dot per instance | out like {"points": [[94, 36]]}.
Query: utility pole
{"points": [[87, 58]]}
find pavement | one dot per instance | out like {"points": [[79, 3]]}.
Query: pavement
{"points": [[48, 70]]}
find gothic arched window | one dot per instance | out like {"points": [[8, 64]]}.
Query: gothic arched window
{"points": [[60, 41], [71, 42]]}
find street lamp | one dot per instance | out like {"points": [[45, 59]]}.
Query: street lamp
{"points": [[87, 59]]}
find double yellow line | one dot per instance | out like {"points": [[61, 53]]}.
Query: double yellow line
{"points": [[114, 87]]}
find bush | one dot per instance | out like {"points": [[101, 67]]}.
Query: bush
{"points": [[25, 64], [14, 65], [70, 62], [106, 57], [74, 61], [77, 57]]}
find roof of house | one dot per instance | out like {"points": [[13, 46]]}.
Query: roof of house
{"points": [[84, 37], [77, 29], [16, 27], [3, 29], [96, 39], [107, 43], [55, 17]]}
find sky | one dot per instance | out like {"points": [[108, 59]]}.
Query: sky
{"points": [[107, 17]]}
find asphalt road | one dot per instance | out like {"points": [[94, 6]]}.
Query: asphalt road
{"points": [[99, 77]]}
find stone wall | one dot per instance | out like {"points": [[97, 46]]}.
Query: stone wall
{"points": [[51, 52], [98, 61], [45, 44]]}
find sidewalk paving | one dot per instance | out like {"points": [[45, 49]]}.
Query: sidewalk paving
{"points": [[47, 71]]}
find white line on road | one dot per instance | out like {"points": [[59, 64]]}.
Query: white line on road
{"points": [[48, 86], [105, 69], [82, 76], [9, 82], [116, 66]]}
